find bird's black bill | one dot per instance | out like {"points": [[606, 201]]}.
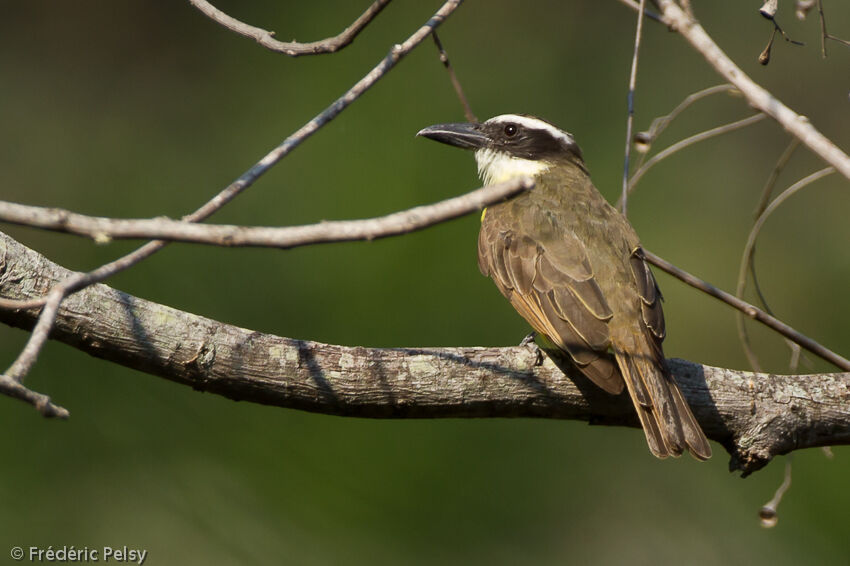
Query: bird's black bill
{"points": [[464, 135]]}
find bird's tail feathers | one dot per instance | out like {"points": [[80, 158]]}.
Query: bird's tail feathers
{"points": [[667, 421]]}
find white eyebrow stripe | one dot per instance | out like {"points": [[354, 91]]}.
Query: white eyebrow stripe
{"points": [[534, 124]]}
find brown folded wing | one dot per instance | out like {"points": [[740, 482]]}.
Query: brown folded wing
{"points": [[555, 291]]}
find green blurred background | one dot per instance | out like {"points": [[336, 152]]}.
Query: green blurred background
{"points": [[141, 108]]}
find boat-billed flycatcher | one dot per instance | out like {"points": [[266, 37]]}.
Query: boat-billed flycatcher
{"points": [[572, 266]]}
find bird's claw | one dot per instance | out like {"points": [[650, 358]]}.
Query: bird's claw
{"points": [[529, 339], [529, 343]]}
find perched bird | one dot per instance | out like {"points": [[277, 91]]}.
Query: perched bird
{"points": [[573, 267]]}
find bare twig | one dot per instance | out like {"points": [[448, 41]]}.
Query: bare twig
{"points": [[270, 159], [750, 311], [80, 280], [444, 59], [644, 140], [768, 513], [742, 277], [764, 56], [774, 175], [768, 10], [839, 40], [751, 239], [696, 138], [624, 197], [275, 237], [826, 35], [42, 403], [25, 360], [743, 334], [758, 97], [273, 157], [658, 125], [747, 257], [635, 5], [293, 49]]}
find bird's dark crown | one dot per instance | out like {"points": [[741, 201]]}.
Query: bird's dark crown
{"points": [[528, 137]]}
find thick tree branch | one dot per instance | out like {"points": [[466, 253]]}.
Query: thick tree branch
{"points": [[754, 416], [292, 48], [402, 222]]}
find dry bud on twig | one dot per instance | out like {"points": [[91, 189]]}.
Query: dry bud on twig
{"points": [[768, 9], [803, 7]]}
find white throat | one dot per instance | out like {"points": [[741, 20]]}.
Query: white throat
{"points": [[498, 167]]}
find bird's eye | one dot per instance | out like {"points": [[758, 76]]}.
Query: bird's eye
{"points": [[510, 130]]}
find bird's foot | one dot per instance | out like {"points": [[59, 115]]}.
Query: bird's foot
{"points": [[529, 343], [529, 339]]}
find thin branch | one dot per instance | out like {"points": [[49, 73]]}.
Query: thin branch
{"points": [[768, 10], [742, 329], [755, 417], [785, 36], [795, 349], [826, 35], [747, 258], [741, 287], [696, 138], [293, 49], [774, 175], [624, 198], [635, 5], [764, 56], [768, 513], [797, 125], [743, 334], [444, 59], [658, 125], [418, 218], [42, 403], [839, 40], [78, 281], [26, 359], [759, 223], [644, 140], [750, 311], [397, 52]]}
